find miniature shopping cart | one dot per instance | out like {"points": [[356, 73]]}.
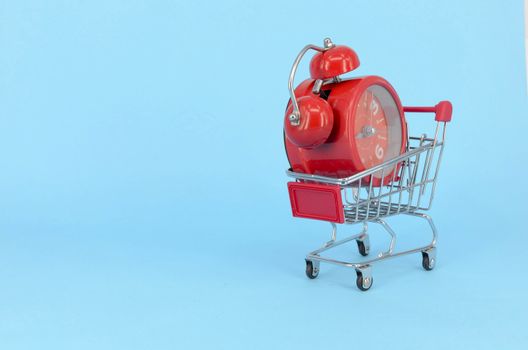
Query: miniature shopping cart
{"points": [[407, 186]]}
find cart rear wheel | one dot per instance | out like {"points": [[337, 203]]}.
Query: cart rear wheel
{"points": [[311, 270], [363, 283], [363, 250], [428, 262]]}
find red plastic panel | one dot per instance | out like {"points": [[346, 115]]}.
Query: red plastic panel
{"points": [[320, 202]]}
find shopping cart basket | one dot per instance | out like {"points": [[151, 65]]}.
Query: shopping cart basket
{"points": [[407, 186]]}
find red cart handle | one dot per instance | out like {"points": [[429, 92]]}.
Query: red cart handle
{"points": [[443, 111]]}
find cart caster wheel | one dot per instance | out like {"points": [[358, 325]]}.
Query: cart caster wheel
{"points": [[363, 244], [364, 280], [312, 269], [363, 250], [429, 259]]}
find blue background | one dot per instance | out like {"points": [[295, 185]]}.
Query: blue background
{"points": [[143, 200]]}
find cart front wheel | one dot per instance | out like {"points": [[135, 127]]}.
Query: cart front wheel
{"points": [[428, 261], [311, 270], [363, 250], [362, 282]]}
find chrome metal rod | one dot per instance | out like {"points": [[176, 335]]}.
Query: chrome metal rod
{"points": [[327, 45], [431, 224], [391, 233], [367, 262], [314, 255], [332, 244], [348, 180]]}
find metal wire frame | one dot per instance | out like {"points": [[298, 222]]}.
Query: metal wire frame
{"points": [[410, 189], [410, 182]]}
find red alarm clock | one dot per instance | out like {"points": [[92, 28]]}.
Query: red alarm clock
{"points": [[337, 126]]}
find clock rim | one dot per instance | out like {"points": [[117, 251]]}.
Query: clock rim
{"points": [[359, 89]]}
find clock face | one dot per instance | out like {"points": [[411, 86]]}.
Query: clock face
{"points": [[377, 127]]}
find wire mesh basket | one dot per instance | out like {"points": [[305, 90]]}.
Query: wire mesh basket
{"points": [[402, 185]]}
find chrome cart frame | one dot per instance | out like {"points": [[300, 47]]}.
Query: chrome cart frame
{"points": [[409, 190], [402, 185]]}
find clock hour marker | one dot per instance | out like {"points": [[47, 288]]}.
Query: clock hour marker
{"points": [[374, 107], [379, 151], [371, 130]]}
